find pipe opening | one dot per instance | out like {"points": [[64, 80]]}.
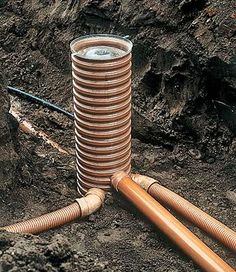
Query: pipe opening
{"points": [[101, 47]]}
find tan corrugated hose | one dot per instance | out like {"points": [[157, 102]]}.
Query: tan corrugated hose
{"points": [[80, 208], [101, 70], [175, 230], [201, 219]]}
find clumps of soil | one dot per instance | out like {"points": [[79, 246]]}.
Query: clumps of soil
{"points": [[9, 158], [29, 253]]}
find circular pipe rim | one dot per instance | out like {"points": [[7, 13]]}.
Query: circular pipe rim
{"points": [[117, 39]]}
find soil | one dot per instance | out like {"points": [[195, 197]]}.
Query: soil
{"points": [[183, 58]]}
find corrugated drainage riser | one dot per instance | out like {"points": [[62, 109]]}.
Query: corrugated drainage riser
{"points": [[101, 69]]}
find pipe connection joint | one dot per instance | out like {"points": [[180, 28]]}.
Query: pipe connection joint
{"points": [[117, 177], [142, 182], [92, 201]]}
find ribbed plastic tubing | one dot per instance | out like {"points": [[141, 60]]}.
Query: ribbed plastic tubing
{"points": [[101, 71]]}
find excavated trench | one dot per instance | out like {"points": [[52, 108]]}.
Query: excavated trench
{"points": [[183, 58]]}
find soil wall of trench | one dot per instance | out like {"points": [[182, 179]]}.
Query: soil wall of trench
{"points": [[183, 59]]}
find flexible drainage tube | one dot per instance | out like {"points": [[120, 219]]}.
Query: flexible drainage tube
{"points": [[80, 208], [201, 219], [176, 231], [101, 71]]}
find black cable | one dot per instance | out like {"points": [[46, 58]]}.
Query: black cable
{"points": [[40, 101]]}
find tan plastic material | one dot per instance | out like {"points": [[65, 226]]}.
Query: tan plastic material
{"points": [[28, 128], [176, 231], [80, 208], [201, 219], [102, 110], [92, 202]]}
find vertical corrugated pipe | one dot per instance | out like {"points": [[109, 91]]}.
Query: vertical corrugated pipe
{"points": [[192, 213], [101, 69], [166, 222]]}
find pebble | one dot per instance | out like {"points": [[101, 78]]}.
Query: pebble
{"points": [[177, 167], [195, 153], [210, 160], [92, 218], [231, 195], [109, 199], [115, 224]]}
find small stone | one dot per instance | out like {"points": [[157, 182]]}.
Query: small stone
{"points": [[115, 224], [92, 218], [180, 157], [195, 153], [100, 266], [109, 199], [231, 195], [210, 160], [177, 167]]}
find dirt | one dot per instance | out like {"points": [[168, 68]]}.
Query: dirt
{"points": [[183, 58]]}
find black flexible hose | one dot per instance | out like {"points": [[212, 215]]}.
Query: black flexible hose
{"points": [[40, 101]]}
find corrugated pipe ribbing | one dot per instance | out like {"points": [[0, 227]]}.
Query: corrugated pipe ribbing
{"points": [[166, 222], [80, 208], [192, 213], [101, 69]]}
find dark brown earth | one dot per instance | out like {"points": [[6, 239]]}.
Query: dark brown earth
{"points": [[184, 57]]}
